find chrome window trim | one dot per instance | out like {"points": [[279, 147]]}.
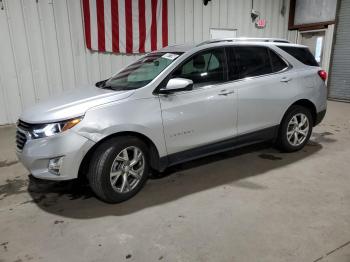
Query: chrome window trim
{"points": [[288, 68], [227, 82]]}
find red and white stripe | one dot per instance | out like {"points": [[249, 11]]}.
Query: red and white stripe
{"points": [[125, 26]]}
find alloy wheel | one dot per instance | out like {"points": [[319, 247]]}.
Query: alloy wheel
{"points": [[298, 129], [127, 169]]}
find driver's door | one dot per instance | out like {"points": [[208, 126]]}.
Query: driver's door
{"points": [[206, 114]]}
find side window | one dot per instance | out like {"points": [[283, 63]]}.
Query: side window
{"points": [[252, 61], [205, 68], [277, 63], [300, 53], [233, 73]]}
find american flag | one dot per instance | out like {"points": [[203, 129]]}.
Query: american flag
{"points": [[125, 26]]}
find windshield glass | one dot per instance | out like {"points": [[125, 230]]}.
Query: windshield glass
{"points": [[141, 72]]}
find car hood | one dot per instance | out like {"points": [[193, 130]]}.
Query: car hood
{"points": [[71, 104]]}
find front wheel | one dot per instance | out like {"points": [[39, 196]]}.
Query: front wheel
{"points": [[296, 129], [119, 169]]}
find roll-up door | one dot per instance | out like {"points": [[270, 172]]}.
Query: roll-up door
{"points": [[339, 85]]}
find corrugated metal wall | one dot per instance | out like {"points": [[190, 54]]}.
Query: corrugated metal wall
{"points": [[42, 49], [339, 81]]}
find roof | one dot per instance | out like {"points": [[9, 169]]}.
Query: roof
{"points": [[177, 48], [245, 39], [228, 41]]}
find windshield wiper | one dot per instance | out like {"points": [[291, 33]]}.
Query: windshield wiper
{"points": [[107, 87], [101, 84], [114, 88]]}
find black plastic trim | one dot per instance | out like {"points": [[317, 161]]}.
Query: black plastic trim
{"points": [[319, 117], [229, 144]]}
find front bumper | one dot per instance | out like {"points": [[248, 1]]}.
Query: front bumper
{"points": [[37, 153]]}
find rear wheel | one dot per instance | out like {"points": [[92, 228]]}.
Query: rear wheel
{"points": [[119, 169], [296, 129]]}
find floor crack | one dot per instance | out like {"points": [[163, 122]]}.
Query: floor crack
{"points": [[7, 163], [331, 252]]}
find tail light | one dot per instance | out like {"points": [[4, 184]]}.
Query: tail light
{"points": [[323, 75]]}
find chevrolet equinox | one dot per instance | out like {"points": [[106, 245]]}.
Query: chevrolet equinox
{"points": [[177, 104]]}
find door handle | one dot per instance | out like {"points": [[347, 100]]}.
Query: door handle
{"points": [[225, 92], [286, 79]]}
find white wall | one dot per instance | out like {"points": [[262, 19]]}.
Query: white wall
{"points": [[42, 49]]}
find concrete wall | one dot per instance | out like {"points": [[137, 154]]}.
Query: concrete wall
{"points": [[42, 49]]}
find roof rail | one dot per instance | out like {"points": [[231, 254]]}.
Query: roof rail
{"points": [[244, 39]]}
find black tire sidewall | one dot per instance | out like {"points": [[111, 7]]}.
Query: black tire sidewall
{"points": [[99, 174], [283, 140]]}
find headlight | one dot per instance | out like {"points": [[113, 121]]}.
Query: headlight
{"points": [[51, 129]]}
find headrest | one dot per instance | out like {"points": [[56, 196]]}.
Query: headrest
{"points": [[199, 62]]}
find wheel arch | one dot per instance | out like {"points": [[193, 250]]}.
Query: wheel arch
{"points": [[307, 104], [155, 160]]}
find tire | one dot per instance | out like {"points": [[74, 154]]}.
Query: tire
{"points": [[110, 167], [289, 133]]}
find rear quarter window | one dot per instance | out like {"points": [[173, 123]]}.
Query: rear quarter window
{"points": [[277, 63], [302, 54]]}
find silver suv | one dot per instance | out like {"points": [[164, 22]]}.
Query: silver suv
{"points": [[174, 105]]}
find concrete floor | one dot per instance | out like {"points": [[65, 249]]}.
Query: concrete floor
{"points": [[253, 204]]}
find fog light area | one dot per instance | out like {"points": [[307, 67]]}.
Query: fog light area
{"points": [[55, 165]]}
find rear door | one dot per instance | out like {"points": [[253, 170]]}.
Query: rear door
{"points": [[262, 87]]}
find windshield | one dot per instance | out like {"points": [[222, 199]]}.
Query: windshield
{"points": [[141, 72]]}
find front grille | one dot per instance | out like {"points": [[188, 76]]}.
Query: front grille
{"points": [[23, 132], [21, 139], [22, 129], [24, 126]]}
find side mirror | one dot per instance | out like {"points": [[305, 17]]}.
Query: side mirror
{"points": [[177, 85]]}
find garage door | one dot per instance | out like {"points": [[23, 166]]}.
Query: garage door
{"points": [[340, 70]]}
